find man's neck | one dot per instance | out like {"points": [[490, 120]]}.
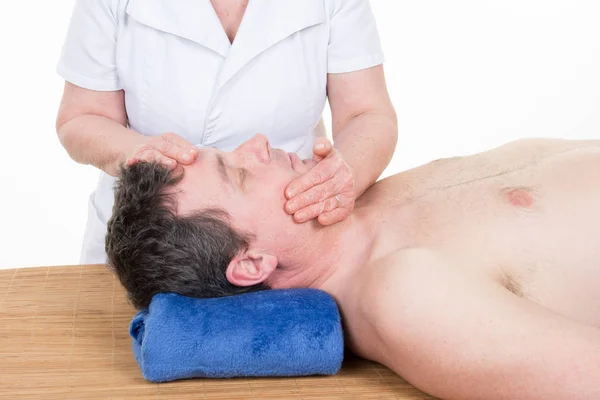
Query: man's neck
{"points": [[330, 256]]}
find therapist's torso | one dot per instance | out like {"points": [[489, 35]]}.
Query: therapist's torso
{"points": [[180, 72]]}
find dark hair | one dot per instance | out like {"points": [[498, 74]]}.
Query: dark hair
{"points": [[154, 250]]}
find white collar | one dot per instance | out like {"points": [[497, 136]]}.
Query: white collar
{"points": [[265, 23]]}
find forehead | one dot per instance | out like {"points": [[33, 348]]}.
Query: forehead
{"points": [[202, 185]]}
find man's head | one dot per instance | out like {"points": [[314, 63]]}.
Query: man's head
{"points": [[214, 228]]}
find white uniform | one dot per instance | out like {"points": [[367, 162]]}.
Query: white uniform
{"points": [[181, 74]]}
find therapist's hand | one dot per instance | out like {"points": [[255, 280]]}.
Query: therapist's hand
{"points": [[167, 149], [326, 191]]}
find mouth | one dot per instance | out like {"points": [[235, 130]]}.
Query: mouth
{"points": [[295, 162], [284, 157], [291, 160]]}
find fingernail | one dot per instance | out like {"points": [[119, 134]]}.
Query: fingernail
{"points": [[292, 206], [291, 193], [186, 157], [320, 146], [192, 150], [300, 217]]}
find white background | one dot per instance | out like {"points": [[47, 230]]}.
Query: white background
{"points": [[464, 75]]}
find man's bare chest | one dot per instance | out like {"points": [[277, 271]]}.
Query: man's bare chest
{"points": [[527, 219]]}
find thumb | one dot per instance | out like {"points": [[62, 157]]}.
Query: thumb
{"points": [[322, 148]]}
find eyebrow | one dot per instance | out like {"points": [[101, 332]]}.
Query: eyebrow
{"points": [[222, 169]]}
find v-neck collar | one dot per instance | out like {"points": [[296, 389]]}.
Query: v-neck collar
{"points": [[265, 23], [216, 15], [195, 20]]}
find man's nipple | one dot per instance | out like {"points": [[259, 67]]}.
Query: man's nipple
{"points": [[519, 197]]}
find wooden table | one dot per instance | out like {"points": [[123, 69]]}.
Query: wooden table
{"points": [[64, 335]]}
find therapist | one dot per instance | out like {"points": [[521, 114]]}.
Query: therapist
{"points": [[156, 79]]}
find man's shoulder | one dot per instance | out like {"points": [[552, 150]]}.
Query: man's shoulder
{"points": [[401, 277], [382, 294], [412, 264], [414, 285], [395, 291]]}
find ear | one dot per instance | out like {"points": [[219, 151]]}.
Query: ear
{"points": [[250, 268]]}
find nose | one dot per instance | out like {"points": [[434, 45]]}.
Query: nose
{"points": [[258, 146]]}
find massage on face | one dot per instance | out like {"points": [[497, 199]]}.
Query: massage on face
{"points": [[486, 265]]}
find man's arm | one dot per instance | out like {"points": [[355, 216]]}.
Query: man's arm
{"points": [[457, 335]]}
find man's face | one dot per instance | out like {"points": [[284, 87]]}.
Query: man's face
{"points": [[248, 183]]}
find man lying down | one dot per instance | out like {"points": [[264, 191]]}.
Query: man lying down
{"points": [[473, 277]]}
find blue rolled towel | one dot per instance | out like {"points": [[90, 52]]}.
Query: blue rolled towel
{"points": [[282, 332]]}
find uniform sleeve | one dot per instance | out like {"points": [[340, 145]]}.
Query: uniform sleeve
{"points": [[88, 56], [353, 38]]}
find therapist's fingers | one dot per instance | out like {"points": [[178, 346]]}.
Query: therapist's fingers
{"points": [[322, 148], [317, 175], [313, 195], [332, 217], [326, 162], [175, 147], [180, 141], [314, 210], [322, 171], [151, 155]]}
